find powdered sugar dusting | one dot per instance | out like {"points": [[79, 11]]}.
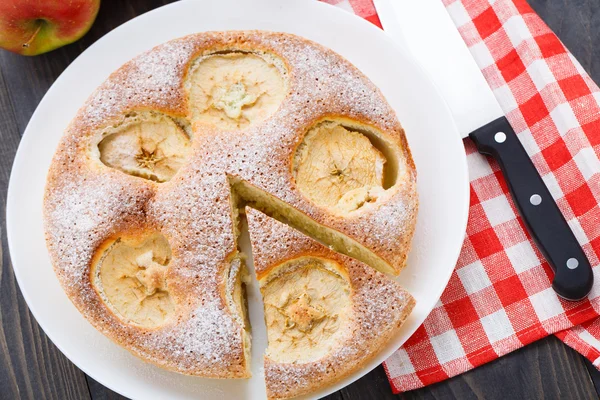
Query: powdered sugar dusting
{"points": [[207, 335], [152, 80], [81, 212]]}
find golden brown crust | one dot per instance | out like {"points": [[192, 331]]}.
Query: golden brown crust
{"points": [[379, 307], [87, 202]]}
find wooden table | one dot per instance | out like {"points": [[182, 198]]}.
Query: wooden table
{"points": [[32, 367]]}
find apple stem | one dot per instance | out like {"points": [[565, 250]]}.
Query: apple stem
{"points": [[32, 38]]}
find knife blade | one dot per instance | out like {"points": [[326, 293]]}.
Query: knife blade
{"points": [[425, 29]]}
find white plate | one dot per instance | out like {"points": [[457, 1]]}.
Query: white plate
{"points": [[435, 143]]}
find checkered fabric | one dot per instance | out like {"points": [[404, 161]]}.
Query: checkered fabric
{"points": [[499, 297]]}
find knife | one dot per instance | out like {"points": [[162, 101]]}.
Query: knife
{"points": [[424, 28]]}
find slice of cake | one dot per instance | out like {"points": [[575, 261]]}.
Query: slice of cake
{"points": [[327, 314]]}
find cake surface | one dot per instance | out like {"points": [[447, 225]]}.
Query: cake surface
{"points": [[142, 200]]}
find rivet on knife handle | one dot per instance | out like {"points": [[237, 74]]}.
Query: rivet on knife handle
{"points": [[573, 278]]}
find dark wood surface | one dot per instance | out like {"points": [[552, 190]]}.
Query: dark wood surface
{"points": [[31, 367]]}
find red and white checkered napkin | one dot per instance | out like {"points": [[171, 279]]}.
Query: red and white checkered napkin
{"points": [[499, 297]]}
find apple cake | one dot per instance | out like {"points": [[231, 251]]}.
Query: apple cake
{"points": [[146, 191]]}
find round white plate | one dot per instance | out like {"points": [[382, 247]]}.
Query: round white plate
{"points": [[434, 141]]}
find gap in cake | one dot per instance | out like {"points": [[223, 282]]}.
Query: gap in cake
{"points": [[147, 144], [247, 290], [283, 212], [129, 273], [255, 310], [236, 294], [233, 89], [344, 166], [239, 275]]}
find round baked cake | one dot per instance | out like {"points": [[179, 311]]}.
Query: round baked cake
{"points": [[147, 191]]}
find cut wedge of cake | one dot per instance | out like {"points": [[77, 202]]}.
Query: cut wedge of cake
{"points": [[327, 314]]}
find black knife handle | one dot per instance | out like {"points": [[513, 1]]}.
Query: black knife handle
{"points": [[573, 278]]}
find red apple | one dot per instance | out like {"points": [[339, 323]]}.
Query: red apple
{"points": [[33, 27]]}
